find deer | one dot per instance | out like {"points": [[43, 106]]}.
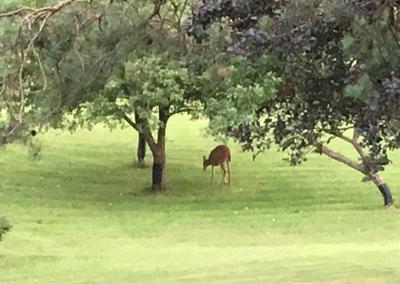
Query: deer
{"points": [[219, 156]]}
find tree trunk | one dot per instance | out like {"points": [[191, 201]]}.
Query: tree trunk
{"points": [[159, 157], [383, 188], [141, 147], [157, 149], [141, 151], [376, 179], [158, 171]]}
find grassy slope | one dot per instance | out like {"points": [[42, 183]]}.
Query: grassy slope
{"points": [[81, 215]]}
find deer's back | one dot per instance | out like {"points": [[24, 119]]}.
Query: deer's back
{"points": [[219, 154]]}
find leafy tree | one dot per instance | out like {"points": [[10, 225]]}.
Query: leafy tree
{"points": [[74, 61], [36, 43], [339, 69], [56, 55], [156, 87]]}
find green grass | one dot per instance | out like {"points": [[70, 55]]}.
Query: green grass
{"points": [[82, 214]]}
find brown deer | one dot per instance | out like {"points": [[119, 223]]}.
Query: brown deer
{"points": [[218, 157]]}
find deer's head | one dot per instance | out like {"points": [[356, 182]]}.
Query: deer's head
{"points": [[205, 163]]}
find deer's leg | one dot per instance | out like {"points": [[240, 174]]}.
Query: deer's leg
{"points": [[223, 173], [212, 174], [229, 173]]}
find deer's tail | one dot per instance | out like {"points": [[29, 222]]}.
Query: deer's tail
{"points": [[229, 158]]}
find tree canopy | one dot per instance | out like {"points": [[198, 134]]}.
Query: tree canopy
{"points": [[56, 56], [297, 73], [338, 65], [107, 62]]}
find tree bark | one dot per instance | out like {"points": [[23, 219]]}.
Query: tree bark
{"points": [[360, 167], [141, 146], [341, 158], [158, 172], [159, 156], [141, 151], [383, 188], [157, 149]]}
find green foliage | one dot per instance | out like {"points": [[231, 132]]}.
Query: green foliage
{"points": [[74, 72], [373, 45], [144, 85], [362, 89], [236, 91], [5, 227], [68, 61], [339, 67], [157, 81]]}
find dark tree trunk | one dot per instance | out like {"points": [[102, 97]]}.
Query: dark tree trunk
{"points": [[159, 157], [383, 188], [158, 172], [141, 151], [141, 147]]}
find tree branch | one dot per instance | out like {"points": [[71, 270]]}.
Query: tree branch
{"points": [[146, 134], [16, 12], [341, 158], [354, 143], [182, 110]]}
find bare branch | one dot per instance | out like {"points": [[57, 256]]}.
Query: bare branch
{"points": [[183, 110], [16, 12], [31, 15], [354, 143], [341, 158], [41, 71], [77, 29]]}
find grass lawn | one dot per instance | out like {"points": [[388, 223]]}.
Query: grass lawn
{"points": [[82, 214]]}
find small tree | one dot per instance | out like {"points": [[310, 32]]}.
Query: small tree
{"points": [[153, 88]]}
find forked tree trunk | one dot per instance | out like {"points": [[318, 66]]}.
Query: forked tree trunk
{"points": [[141, 151], [157, 148]]}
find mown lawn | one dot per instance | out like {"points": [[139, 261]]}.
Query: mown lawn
{"points": [[82, 214]]}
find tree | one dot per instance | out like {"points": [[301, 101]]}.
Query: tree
{"points": [[154, 87], [65, 53], [339, 70], [55, 55], [35, 43]]}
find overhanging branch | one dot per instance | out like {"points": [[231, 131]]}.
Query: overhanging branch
{"points": [[16, 12], [354, 143], [341, 158], [182, 110]]}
